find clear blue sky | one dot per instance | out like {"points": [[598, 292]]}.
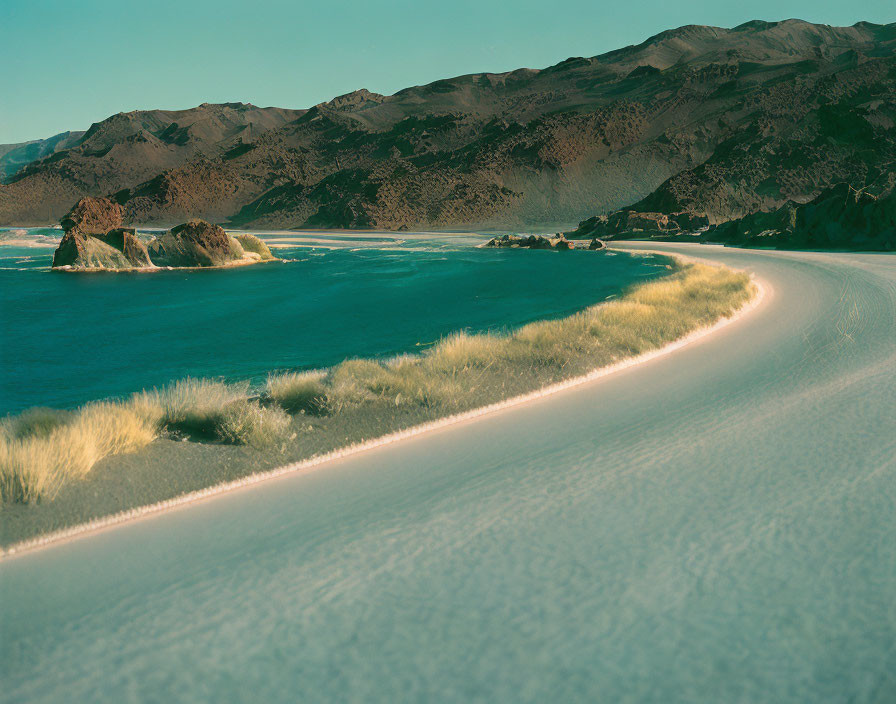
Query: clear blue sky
{"points": [[68, 63]]}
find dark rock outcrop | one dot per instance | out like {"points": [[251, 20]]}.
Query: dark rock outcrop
{"points": [[94, 239], [597, 244], [196, 243], [558, 242], [561, 243], [841, 217], [629, 222], [93, 216]]}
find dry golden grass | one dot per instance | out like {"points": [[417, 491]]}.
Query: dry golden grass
{"points": [[34, 466], [194, 407], [37, 421], [249, 423], [647, 317], [297, 392], [40, 449], [461, 351]]}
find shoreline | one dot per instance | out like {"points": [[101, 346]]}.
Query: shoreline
{"points": [[762, 292]]}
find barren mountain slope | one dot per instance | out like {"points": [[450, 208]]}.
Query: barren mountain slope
{"points": [[127, 149], [722, 121]]}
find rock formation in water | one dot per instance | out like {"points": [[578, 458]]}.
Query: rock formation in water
{"points": [[94, 239], [92, 216], [558, 242], [196, 243], [716, 123], [252, 245]]}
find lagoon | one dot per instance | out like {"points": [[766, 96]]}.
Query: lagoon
{"points": [[71, 338]]}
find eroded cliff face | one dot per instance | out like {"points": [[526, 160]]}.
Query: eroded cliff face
{"points": [[713, 123], [94, 239], [196, 243]]}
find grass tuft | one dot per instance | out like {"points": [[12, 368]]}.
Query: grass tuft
{"points": [[352, 383], [298, 392], [33, 467], [461, 352], [35, 422], [249, 423], [194, 407]]}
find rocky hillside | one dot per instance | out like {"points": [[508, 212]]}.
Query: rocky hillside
{"points": [[710, 122], [841, 217], [129, 149]]}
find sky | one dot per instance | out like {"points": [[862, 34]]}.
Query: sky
{"points": [[69, 63]]}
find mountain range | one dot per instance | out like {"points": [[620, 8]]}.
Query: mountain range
{"points": [[720, 123]]}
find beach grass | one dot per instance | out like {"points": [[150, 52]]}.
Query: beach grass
{"points": [[297, 392], [34, 465], [250, 423], [42, 449], [35, 422], [455, 372], [193, 407]]}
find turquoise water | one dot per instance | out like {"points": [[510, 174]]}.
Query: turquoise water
{"points": [[71, 338]]}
